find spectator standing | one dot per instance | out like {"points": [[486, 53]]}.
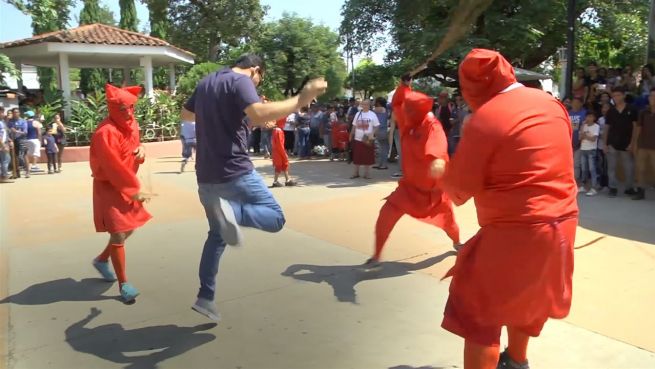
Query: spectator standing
{"points": [[60, 138], [364, 127], [290, 133], [50, 150], [18, 128], [382, 133], [302, 124], [5, 149], [644, 145], [589, 134], [577, 114], [620, 121]]}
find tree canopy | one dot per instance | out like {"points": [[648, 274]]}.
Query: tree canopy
{"points": [[526, 32], [129, 19], [371, 79]]}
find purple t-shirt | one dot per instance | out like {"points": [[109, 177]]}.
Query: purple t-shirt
{"points": [[219, 102]]}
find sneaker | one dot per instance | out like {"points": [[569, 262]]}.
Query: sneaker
{"points": [[291, 183], [397, 175], [505, 362], [582, 189], [182, 166], [372, 265], [640, 195], [128, 292], [613, 192], [105, 271], [206, 308], [630, 192], [230, 230], [592, 192], [35, 169], [277, 184]]}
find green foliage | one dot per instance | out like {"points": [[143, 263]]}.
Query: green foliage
{"points": [[597, 38], [94, 79], [371, 78], [6, 66], [51, 109], [159, 23], [162, 111], [526, 32], [129, 20], [295, 49], [87, 114], [188, 82], [209, 28]]}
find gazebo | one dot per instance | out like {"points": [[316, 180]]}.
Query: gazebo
{"points": [[97, 46]]}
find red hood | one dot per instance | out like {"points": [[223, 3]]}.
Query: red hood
{"points": [[417, 105], [281, 122], [120, 104], [483, 74]]}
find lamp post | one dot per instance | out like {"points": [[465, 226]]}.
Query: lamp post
{"points": [[563, 59]]}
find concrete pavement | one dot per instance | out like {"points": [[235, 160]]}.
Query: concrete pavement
{"points": [[293, 299]]}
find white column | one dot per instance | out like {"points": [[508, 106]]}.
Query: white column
{"points": [[146, 63], [64, 82], [171, 77]]}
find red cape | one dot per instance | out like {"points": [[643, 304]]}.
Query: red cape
{"points": [[114, 165], [515, 159]]}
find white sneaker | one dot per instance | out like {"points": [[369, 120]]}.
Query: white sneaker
{"points": [[206, 308], [230, 231], [581, 189], [592, 192]]}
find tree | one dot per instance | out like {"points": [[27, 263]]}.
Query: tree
{"points": [[209, 28], [158, 15], [526, 32], [371, 79], [6, 66], [295, 50], [94, 79], [47, 16], [129, 20]]}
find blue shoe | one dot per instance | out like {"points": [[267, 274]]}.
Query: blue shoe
{"points": [[103, 268], [128, 292]]}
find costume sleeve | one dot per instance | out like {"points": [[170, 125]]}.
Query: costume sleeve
{"points": [[465, 173], [121, 176]]}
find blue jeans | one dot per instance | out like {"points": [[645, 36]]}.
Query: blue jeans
{"points": [[266, 141], [588, 167], [382, 152], [396, 139], [188, 147], [304, 146], [5, 158], [254, 207]]}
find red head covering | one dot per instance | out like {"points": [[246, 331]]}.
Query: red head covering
{"points": [[120, 104], [416, 107], [281, 123], [397, 103], [482, 75]]}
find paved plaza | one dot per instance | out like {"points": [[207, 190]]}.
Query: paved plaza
{"points": [[292, 300]]}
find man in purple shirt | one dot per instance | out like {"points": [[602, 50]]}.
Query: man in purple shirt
{"points": [[230, 190]]}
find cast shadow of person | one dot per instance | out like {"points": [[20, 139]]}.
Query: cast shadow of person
{"points": [[114, 343], [66, 289], [344, 278]]}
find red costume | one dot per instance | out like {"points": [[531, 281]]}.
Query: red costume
{"points": [[340, 136], [279, 156], [397, 104], [114, 165], [418, 193], [515, 160]]}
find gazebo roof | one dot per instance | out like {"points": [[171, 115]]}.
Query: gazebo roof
{"points": [[95, 45]]}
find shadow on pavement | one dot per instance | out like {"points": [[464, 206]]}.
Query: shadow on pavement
{"points": [[68, 289], [142, 348], [344, 278]]}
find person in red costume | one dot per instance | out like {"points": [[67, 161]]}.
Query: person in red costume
{"points": [[418, 193], [515, 160], [398, 115], [279, 155], [115, 156]]}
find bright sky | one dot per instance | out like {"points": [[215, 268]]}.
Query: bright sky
{"points": [[15, 25]]}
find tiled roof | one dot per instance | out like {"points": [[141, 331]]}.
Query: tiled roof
{"points": [[98, 34]]}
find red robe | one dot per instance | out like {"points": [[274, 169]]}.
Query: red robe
{"points": [[114, 165], [418, 193], [515, 160], [279, 155]]}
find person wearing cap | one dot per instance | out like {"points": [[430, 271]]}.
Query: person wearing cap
{"points": [[515, 160], [18, 131]]}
